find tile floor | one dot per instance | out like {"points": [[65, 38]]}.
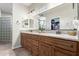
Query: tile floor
{"points": [[5, 50]]}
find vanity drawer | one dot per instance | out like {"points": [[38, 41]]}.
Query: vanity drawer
{"points": [[25, 36], [66, 44], [35, 37], [28, 36], [62, 52], [47, 40], [34, 42]]}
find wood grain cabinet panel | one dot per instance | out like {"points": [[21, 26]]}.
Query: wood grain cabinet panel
{"points": [[40, 45], [44, 49], [35, 39], [46, 39], [61, 52], [22, 39], [35, 51], [34, 42], [28, 45], [25, 41], [52, 51], [66, 44]]}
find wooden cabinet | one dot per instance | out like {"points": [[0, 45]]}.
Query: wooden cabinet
{"points": [[23, 38], [25, 41], [66, 44], [30, 43], [34, 42], [40, 45], [62, 52], [35, 50], [52, 51], [44, 49]]}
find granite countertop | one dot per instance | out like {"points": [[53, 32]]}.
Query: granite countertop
{"points": [[63, 36]]}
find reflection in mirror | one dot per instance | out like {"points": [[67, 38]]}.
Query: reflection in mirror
{"points": [[66, 13], [55, 23], [25, 23], [42, 23], [31, 23]]}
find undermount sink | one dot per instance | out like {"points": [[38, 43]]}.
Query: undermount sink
{"points": [[72, 33]]}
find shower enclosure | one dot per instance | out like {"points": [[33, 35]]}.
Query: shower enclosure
{"points": [[6, 29]]}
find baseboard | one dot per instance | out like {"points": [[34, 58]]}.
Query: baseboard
{"points": [[18, 46]]}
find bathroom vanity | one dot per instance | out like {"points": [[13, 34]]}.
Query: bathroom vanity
{"points": [[47, 44]]}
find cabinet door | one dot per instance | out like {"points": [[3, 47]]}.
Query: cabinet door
{"points": [[22, 39], [61, 52], [52, 51], [44, 49], [27, 45], [22, 42], [35, 51]]}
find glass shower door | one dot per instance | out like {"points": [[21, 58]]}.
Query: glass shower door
{"points": [[5, 29], [0, 29]]}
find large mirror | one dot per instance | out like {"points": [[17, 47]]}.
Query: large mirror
{"points": [[25, 23], [61, 17], [42, 22], [28, 23]]}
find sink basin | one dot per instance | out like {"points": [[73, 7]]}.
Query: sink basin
{"points": [[72, 33]]}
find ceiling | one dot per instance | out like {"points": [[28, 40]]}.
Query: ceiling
{"points": [[27, 4], [6, 8]]}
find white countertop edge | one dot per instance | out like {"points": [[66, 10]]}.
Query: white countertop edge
{"points": [[62, 36]]}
